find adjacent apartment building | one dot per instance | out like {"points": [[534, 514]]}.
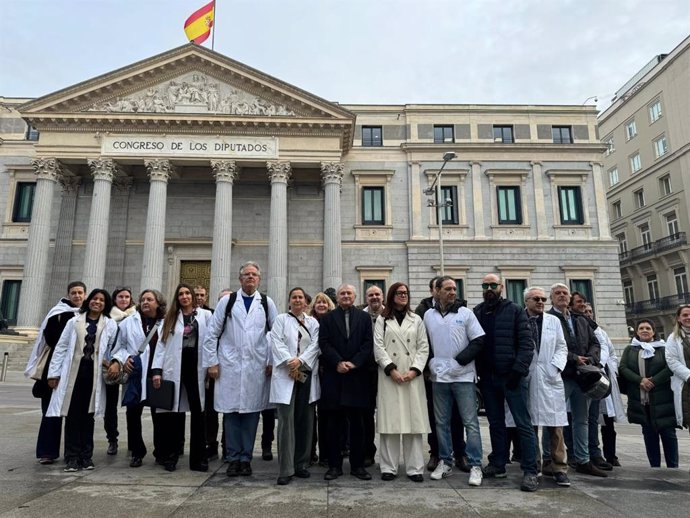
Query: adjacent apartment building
{"points": [[182, 166], [647, 164]]}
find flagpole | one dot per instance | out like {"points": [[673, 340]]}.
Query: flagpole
{"points": [[213, 29]]}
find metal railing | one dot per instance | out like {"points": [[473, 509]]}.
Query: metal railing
{"points": [[669, 303], [657, 247]]}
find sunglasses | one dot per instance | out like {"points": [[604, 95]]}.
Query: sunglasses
{"points": [[492, 285], [539, 299], [401, 293]]}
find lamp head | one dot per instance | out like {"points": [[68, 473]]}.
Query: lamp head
{"points": [[449, 156]]}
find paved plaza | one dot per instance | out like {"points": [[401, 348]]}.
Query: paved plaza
{"points": [[113, 489]]}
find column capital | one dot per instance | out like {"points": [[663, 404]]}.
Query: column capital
{"points": [[47, 168], [332, 172], [123, 184], [159, 169], [103, 168], [225, 170], [535, 163], [70, 184], [596, 164], [474, 162], [279, 171]]}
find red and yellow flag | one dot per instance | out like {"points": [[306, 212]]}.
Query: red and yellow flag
{"points": [[198, 26]]}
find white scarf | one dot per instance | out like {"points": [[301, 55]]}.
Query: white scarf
{"points": [[647, 347]]}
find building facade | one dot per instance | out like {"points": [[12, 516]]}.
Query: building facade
{"points": [[187, 164], [647, 165]]}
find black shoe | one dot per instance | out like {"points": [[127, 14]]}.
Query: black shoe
{"points": [[267, 455], [530, 483], [284, 481], [233, 468], [170, 465], [112, 448], [87, 465], [245, 469], [590, 469], [387, 477], [202, 466], [463, 464], [416, 478], [72, 467], [136, 462], [490, 471], [361, 474], [561, 479], [433, 462], [333, 473], [302, 473], [600, 463], [615, 463]]}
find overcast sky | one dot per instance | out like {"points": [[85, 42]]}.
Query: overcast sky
{"points": [[359, 51]]}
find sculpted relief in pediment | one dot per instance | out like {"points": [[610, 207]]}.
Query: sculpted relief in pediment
{"points": [[193, 93]]}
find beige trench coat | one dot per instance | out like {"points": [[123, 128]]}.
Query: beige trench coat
{"points": [[401, 408]]}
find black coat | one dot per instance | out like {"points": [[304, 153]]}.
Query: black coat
{"points": [[351, 389], [584, 343]]}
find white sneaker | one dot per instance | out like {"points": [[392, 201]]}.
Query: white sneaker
{"points": [[443, 470], [476, 476]]}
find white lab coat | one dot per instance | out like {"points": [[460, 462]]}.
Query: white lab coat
{"points": [[40, 343], [62, 362], [283, 337], [242, 354], [612, 405], [168, 357], [675, 359]]}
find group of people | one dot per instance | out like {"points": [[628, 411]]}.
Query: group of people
{"points": [[382, 368]]}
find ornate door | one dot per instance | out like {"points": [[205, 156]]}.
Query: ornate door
{"points": [[196, 273]]}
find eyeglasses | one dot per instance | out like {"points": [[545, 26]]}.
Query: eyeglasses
{"points": [[492, 285], [539, 299], [401, 294]]}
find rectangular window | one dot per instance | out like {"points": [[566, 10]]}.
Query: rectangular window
{"points": [[681, 278], [561, 135], [610, 147], [372, 206], [653, 287], [372, 136], [32, 134], [368, 283], [449, 204], [570, 202], [635, 163], [672, 224], [638, 195], [509, 207], [622, 242], [503, 134], [665, 185], [645, 236], [628, 293], [655, 112], [23, 202], [630, 129], [460, 287], [660, 147], [617, 210], [515, 289], [9, 301], [583, 286], [613, 176], [443, 134]]}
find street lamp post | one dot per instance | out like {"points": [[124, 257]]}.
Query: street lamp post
{"points": [[440, 204]]}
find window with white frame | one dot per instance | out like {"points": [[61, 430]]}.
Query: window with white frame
{"points": [[660, 146], [617, 210], [613, 176], [628, 293], [665, 185], [680, 277], [630, 129], [610, 147], [622, 242], [655, 111], [635, 163], [443, 134], [638, 196], [449, 204], [645, 236], [373, 203], [653, 287], [672, 225]]}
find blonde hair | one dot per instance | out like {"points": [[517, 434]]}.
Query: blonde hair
{"points": [[320, 296]]}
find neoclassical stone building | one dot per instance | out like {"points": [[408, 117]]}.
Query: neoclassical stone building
{"points": [[187, 164]]}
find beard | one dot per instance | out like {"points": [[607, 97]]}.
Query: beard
{"points": [[489, 296]]}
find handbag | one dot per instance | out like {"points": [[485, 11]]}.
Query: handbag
{"points": [[123, 377], [163, 397], [41, 363]]}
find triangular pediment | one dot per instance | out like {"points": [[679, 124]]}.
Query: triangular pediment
{"points": [[188, 80]]}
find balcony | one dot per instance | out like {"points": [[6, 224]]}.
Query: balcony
{"points": [[664, 304], [657, 247]]}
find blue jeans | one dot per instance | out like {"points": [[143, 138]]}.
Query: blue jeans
{"points": [[466, 400], [496, 394], [240, 434], [579, 409]]}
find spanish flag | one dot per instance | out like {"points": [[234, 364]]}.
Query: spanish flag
{"points": [[198, 26]]}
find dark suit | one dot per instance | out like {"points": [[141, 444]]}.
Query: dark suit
{"points": [[345, 397]]}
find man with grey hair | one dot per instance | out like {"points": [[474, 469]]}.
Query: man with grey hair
{"points": [[346, 342], [546, 393], [237, 355], [583, 348]]}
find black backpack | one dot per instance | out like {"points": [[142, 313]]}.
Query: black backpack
{"points": [[231, 304]]}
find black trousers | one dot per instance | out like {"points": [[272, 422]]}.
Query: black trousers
{"points": [[79, 423], [112, 396], [608, 439], [50, 430], [337, 419], [268, 419], [135, 439]]}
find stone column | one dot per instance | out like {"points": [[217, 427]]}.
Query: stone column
{"points": [[48, 172], [103, 171], [478, 201], [600, 200], [225, 173], [332, 177], [539, 207], [117, 236], [279, 174], [154, 241]]}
